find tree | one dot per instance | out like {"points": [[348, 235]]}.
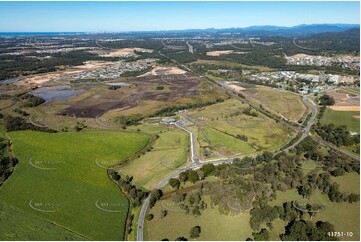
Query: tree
{"points": [[193, 176], [263, 235], [195, 232], [183, 176], [149, 216], [327, 100], [154, 196], [175, 183], [305, 191], [181, 239], [338, 172], [207, 169], [163, 213]]}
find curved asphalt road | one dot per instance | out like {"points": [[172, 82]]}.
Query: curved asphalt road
{"points": [[196, 163]]}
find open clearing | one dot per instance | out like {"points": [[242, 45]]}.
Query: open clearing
{"points": [[41, 79], [164, 70], [169, 152], [125, 52], [223, 52], [349, 118], [59, 173], [345, 98], [214, 225], [350, 182], [345, 108], [286, 104], [230, 64], [341, 215], [142, 96], [219, 123]]}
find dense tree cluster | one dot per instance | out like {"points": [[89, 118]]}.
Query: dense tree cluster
{"points": [[169, 111], [133, 193], [326, 100], [301, 230], [155, 195], [338, 135], [18, 123], [7, 162]]}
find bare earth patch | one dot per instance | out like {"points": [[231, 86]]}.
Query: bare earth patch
{"points": [[164, 70], [234, 87], [223, 52], [40, 79], [126, 52], [344, 99], [345, 108]]}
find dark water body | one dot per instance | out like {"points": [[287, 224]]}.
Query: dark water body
{"points": [[56, 93]]}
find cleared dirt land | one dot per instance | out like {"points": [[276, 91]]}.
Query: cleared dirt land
{"points": [[223, 52], [125, 52], [344, 97], [164, 70], [345, 108]]}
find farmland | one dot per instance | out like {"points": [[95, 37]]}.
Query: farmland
{"points": [[59, 173]]}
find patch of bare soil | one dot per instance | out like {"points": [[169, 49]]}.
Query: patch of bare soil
{"points": [[164, 70], [344, 99]]}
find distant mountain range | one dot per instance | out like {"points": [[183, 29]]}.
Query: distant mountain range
{"points": [[299, 30]]}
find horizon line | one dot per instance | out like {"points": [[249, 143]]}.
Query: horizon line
{"points": [[168, 30]]}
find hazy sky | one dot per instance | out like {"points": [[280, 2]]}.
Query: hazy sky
{"points": [[128, 16]]}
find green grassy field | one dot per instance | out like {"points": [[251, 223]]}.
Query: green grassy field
{"points": [[214, 225], [169, 151], [344, 216], [349, 118], [226, 142], [68, 195], [29, 226], [350, 182], [280, 102], [263, 133]]}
